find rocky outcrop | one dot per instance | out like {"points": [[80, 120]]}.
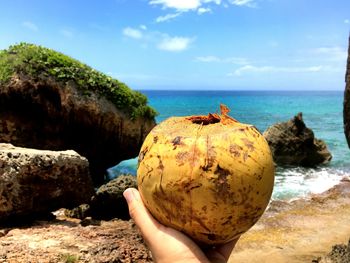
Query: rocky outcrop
{"points": [[67, 105], [295, 231], [108, 201], [80, 212], [34, 182], [66, 240], [292, 143], [340, 253], [300, 231], [346, 110]]}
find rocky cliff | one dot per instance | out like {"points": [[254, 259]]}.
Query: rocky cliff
{"points": [[51, 101], [346, 111]]}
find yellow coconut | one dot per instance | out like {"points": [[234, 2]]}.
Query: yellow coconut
{"points": [[210, 177]]}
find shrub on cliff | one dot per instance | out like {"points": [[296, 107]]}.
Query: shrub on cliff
{"points": [[40, 62]]}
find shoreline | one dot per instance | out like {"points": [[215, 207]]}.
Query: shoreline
{"points": [[298, 231], [289, 231]]}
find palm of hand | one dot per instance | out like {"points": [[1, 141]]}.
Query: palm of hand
{"points": [[167, 244]]}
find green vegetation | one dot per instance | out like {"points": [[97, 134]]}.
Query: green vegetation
{"points": [[68, 258], [41, 62]]}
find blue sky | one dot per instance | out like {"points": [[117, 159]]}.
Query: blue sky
{"points": [[193, 44]]}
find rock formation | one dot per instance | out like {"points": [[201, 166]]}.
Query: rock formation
{"points": [[108, 201], [292, 143], [346, 110], [66, 240], [340, 253], [33, 182], [50, 101]]}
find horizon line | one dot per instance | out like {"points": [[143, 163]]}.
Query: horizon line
{"points": [[253, 90]]}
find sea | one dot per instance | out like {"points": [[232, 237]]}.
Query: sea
{"points": [[322, 112]]}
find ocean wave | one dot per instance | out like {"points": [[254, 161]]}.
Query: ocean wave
{"points": [[297, 182], [290, 182], [124, 167]]}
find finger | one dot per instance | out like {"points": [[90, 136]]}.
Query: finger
{"points": [[139, 213], [221, 253], [226, 249]]}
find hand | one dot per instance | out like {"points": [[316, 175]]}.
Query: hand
{"points": [[167, 244]]}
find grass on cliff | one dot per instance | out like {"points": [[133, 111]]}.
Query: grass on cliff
{"points": [[40, 62]]}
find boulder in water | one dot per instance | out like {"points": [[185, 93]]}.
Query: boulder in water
{"points": [[292, 143]]}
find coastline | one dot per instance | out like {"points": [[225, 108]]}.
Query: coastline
{"points": [[298, 231]]}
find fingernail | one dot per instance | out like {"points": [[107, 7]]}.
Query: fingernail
{"points": [[129, 195]]}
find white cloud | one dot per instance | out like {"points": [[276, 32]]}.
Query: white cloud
{"points": [[132, 33], [160, 40], [174, 44], [237, 60], [66, 33], [181, 5], [199, 6], [167, 17], [272, 69], [347, 21], [329, 50], [30, 25], [331, 53], [208, 59], [203, 10], [143, 27], [218, 2], [230, 60], [248, 3]]}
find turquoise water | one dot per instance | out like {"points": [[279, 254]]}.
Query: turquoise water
{"points": [[322, 112]]}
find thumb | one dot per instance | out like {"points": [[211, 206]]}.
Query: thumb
{"points": [[139, 213]]}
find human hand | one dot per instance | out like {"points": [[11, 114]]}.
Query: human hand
{"points": [[167, 244]]}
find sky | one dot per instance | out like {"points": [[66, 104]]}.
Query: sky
{"points": [[193, 44]]}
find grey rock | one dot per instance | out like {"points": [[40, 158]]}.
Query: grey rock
{"points": [[292, 143], [36, 182], [82, 211], [340, 253], [108, 202]]}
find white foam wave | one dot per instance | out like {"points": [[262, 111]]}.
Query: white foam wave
{"points": [[290, 183], [299, 182]]}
